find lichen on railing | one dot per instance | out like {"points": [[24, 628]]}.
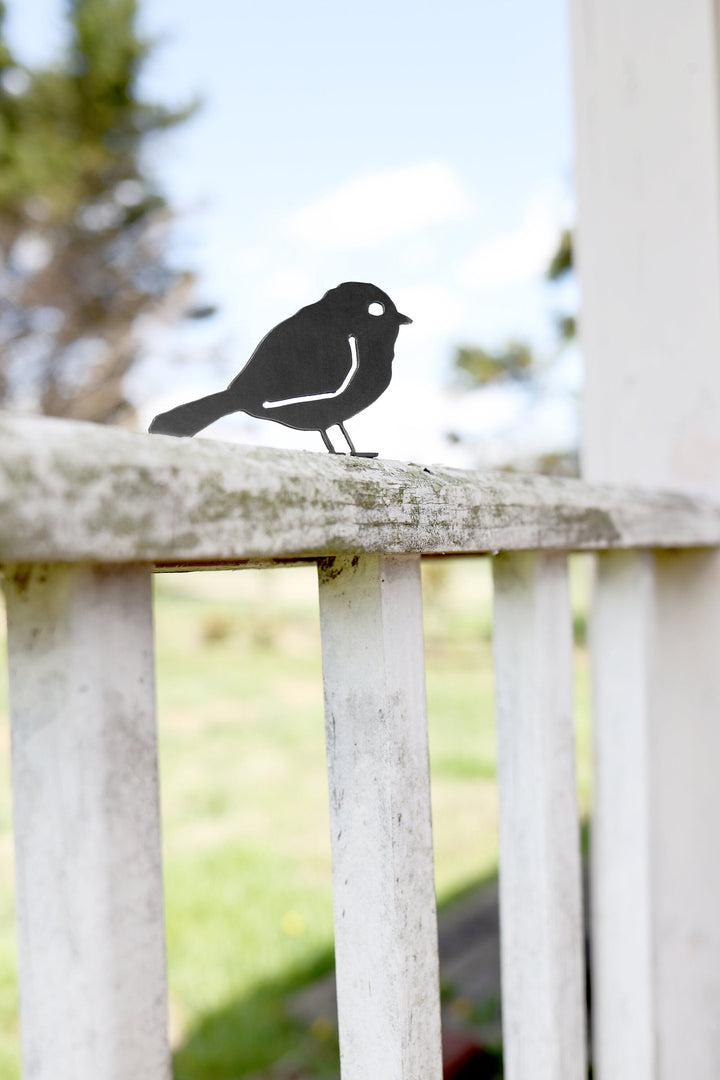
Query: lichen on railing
{"points": [[74, 492]]}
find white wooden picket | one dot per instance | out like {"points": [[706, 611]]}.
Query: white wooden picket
{"points": [[540, 882], [87, 824], [623, 1000], [383, 886]]}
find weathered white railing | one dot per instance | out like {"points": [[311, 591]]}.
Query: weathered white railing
{"points": [[87, 514]]}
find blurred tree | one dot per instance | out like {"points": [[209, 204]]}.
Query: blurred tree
{"points": [[562, 265], [563, 261], [83, 228], [516, 362], [475, 366]]}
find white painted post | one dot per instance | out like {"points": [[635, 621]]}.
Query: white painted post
{"points": [[647, 103], [543, 1003], [87, 837], [655, 636], [383, 887], [622, 641]]}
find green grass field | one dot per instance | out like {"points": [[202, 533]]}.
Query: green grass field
{"points": [[245, 817]]}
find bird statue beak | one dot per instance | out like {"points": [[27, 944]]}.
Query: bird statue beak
{"points": [[404, 319]]}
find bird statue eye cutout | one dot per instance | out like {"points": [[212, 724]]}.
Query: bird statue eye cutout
{"points": [[313, 371]]}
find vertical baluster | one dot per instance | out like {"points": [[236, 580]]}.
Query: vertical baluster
{"points": [[540, 882], [623, 995], [383, 888], [87, 838], [655, 637]]}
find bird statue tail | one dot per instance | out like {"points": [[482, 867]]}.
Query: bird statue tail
{"points": [[193, 416]]}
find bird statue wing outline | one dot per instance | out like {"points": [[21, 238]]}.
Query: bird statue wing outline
{"points": [[300, 358], [352, 341]]}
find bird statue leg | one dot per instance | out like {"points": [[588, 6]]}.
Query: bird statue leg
{"points": [[325, 438], [353, 451]]}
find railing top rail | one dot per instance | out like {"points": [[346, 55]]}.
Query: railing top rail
{"points": [[76, 492]]}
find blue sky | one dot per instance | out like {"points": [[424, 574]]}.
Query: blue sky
{"points": [[426, 148]]}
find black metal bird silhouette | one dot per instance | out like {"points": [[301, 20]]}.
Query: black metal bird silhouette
{"points": [[315, 370]]}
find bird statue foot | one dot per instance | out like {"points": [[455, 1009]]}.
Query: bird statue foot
{"points": [[353, 451]]}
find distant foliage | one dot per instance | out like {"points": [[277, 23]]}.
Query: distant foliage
{"points": [[562, 262], [562, 265], [83, 228], [478, 367], [474, 366]]}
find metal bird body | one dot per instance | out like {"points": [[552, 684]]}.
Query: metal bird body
{"points": [[315, 370]]}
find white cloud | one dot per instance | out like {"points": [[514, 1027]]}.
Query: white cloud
{"points": [[516, 256], [381, 206]]}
